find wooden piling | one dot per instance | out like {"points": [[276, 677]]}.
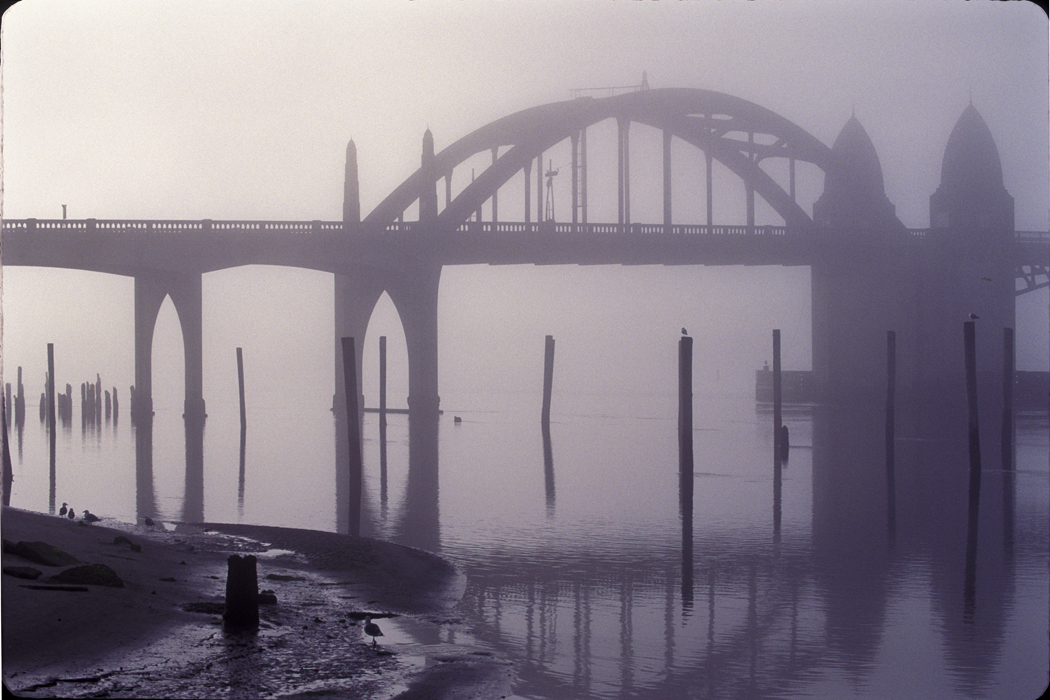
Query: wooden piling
{"points": [[7, 394], [109, 406], [51, 386], [685, 406], [115, 404], [685, 462], [548, 379], [1007, 442], [969, 574], [777, 439], [8, 475], [1007, 435], [777, 395], [970, 353], [20, 401], [89, 407], [353, 427], [382, 380], [240, 387], [891, 397], [242, 593]]}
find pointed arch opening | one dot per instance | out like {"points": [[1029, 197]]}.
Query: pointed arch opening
{"points": [[168, 359], [385, 321]]}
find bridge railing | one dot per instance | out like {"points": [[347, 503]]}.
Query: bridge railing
{"points": [[171, 225], [486, 227], [607, 229], [1019, 236]]}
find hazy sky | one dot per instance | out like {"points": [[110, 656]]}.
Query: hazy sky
{"points": [[242, 110]]}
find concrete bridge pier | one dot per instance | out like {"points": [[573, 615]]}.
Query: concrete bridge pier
{"points": [[414, 291], [185, 292], [415, 294], [355, 299]]}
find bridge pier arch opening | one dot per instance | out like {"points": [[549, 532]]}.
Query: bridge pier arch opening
{"points": [[414, 293], [184, 290]]}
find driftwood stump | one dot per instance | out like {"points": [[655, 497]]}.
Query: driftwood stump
{"points": [[242, 593]]}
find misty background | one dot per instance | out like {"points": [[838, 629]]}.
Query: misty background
{"points": [[242, 110]]}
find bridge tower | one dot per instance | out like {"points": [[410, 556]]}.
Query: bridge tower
{"points": [[862, 284], [972, 231], [412, 287]]}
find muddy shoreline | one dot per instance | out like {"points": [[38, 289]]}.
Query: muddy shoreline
{"points": [[161, 634]]}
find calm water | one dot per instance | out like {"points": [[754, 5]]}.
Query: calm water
{"points": [[574, 545]]}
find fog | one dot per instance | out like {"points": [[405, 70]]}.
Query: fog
{"points": [[242, 110]]}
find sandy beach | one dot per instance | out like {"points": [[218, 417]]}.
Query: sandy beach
{"points": [[160, 634]]}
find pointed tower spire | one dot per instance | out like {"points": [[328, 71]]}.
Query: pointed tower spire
{"points": [[428, 193], [351, 188]]}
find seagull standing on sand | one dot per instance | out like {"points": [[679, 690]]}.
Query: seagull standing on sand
{"points": [[63, 509], [72, 514], [372, 629]]}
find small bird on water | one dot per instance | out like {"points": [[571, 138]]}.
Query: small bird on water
{"points": [[63, 509], [372, 629]]}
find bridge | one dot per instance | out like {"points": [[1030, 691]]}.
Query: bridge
{"points": [[921, 282]]}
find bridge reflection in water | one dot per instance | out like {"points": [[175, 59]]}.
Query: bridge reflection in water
{"points": [[593, 594]]}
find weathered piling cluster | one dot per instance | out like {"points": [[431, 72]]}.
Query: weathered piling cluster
{"points": [[96, 405], [15, 402], [20, 401]]}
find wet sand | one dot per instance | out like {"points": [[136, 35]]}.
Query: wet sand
{"points": [[147, 640]]}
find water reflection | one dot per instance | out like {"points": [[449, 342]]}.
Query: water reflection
{"points": [[605, 597], [145, 496], [241, 470], [193, 501], [548, 468], [774, 616], [420, 522]]}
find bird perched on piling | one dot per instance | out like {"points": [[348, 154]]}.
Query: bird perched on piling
{"points": [[685, 332], [63, 509], [72, 514], [974, 317], [90, 517], [372, 629]]}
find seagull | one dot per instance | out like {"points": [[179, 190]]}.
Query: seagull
{"points": [[684, 332], [90, 517], [63, 509], [974, 317], [72, 514], [372, 629]]}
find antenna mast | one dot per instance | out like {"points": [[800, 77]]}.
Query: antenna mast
{"points": [[551, 172]]}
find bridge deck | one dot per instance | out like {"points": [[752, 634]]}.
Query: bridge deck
{"points": [[130, 247]]}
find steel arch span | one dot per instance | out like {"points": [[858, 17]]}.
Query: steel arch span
{"points": [[705, 119]]}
